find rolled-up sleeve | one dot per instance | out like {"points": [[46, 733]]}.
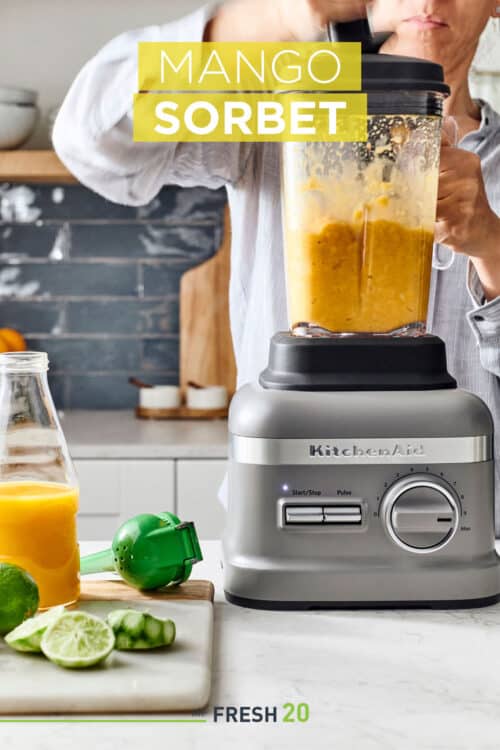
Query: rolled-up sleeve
{"points": [[93, 132], [484, 320]]}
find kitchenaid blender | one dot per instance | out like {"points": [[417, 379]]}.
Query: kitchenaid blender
{"points": [[359, 474]]}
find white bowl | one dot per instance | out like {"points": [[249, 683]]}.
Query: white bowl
{"points": [[17, 122], [210, 397], [160, 397], [14, 95]]}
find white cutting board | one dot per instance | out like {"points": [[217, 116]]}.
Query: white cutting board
{"points": [[177, 678]]}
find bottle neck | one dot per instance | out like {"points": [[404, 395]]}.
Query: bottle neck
{"points": [[27, 363]]}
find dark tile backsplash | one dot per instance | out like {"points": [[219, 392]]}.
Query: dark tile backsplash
{"points": [[96, 285], [34, 317], [133, 317], [69, 279]]}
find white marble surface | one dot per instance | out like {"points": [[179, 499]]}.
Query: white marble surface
{"points": [[118, 434], [394, 680]]}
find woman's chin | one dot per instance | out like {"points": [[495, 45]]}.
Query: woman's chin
{"points": [[425, 46]]}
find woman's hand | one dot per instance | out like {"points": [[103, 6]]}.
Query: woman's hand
{"points": [[465, 221], [280, 20], [307, 20]]}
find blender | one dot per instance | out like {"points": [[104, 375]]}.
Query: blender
{"points": [[359, 474]]}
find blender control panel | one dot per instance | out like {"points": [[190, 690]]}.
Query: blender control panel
{"points": [[419, 512], [323, 514]]}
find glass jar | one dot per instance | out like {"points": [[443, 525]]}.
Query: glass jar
{"points": [[359, 222], [38, 485]]}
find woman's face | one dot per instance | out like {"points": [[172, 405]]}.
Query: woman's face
{"points": [[444, 31]]}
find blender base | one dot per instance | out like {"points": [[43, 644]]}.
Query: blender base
{"points": [[241, 601], [360, 477]]}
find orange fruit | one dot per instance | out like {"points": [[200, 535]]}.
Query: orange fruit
{"points": [[11, 341]]}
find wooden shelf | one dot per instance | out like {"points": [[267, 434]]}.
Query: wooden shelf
{"points": [[33, 166]]}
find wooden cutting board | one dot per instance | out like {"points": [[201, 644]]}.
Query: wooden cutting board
{"points": [[176, 679], [105, 590], [206, 350]]}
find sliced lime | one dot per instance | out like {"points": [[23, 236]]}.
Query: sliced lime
{"points": [[28, 635], [77, 640]]}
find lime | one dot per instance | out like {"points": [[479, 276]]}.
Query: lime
{"points": [[77, 639], [28, 635], [19, 596]]}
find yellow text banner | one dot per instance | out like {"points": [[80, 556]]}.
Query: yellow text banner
{"points": [[249, 117], [249, 66]]}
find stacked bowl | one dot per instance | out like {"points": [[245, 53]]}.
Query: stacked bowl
{"points": [[18, 116]]}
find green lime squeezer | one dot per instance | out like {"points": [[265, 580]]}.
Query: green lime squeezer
{"points": [[149, 551]]}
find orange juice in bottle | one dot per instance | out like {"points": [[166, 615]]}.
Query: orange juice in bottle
{"points": [[38, 487]]}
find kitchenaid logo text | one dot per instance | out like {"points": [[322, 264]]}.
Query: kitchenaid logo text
{"points": [[323, 450]]}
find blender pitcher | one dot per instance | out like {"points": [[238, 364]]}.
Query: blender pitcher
{"points": [[359, 217]]}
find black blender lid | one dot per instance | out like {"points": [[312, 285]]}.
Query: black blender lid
{"points": [[396, 73], [356, 363]]}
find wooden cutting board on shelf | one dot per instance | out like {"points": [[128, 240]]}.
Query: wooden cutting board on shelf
{"points": [[206, 350], [174, 679]]}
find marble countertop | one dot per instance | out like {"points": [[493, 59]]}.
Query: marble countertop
{"points": [[374, 680], [118, 434]]}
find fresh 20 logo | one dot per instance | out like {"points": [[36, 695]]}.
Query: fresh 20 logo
{"points": [[296, 712]]}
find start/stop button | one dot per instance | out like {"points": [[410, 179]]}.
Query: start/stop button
{"points": [[304, 514]]}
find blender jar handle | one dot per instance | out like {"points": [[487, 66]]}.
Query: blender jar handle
{"points": [[437, 263], [450, 138]]}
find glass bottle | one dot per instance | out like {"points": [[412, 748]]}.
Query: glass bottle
{"points": [[38, 485]]}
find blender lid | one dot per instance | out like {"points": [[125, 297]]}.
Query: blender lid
{"points": [[356, 363], [395, 73]]}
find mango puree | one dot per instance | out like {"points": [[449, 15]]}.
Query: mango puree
{"points": [[368, 277], [38, 533]]}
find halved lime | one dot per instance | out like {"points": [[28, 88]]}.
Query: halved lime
{"points": [[28, 635], [18, 596], [77, 640]]}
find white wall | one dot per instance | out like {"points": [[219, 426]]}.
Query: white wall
{"points": [[43, 43]]}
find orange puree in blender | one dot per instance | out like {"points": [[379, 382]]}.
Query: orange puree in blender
{"points": [[359, 277]]}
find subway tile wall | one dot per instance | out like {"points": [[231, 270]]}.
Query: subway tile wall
{"points": [[96, 285]]}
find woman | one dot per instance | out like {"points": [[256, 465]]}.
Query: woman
{"points": [[93, 136]]}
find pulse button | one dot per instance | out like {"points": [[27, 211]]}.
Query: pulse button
{"points": [[342, 514]]}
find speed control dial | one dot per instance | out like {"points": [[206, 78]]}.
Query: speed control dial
{"points": [[420, 513]]}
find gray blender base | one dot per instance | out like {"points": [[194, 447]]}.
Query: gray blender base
{"points": [[348, 585], [360, 500], [241, 601]]}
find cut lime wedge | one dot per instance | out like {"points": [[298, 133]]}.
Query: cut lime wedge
{"points": [[28, 635], [77, 640]]}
